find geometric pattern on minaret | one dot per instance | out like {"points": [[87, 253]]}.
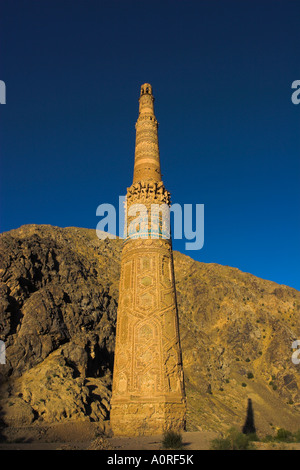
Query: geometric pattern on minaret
{"points": [[148, 394]]}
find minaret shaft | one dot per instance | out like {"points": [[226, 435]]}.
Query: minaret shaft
{"points": [[147, 162], [148, 391]]}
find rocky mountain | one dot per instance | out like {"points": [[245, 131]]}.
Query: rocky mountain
{"points": [[58, 305]]}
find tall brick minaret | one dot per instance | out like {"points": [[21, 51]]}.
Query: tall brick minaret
{"points": [[148, 392]]}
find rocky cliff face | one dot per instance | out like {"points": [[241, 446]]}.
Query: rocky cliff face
{"points": [[59, 293]]}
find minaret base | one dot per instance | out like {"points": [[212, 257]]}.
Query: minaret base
{"points": [[136, 418]]}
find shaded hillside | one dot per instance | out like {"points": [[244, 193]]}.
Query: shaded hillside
{"points": [[59, 292]]}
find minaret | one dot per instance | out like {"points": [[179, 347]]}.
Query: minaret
{"points": [[148, 391], [147, 163]]}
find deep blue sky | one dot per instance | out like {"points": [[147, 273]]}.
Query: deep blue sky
{"points": [[229, 134]]}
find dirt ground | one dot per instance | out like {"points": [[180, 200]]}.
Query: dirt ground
{"points": [[88, 436]]}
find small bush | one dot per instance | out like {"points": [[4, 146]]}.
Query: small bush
{"points": [[250, 375], [221, 444], [172, 440], [283, 435], [233, 440], [268, 438], [297, 436]]}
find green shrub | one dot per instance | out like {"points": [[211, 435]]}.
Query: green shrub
{"points": [[172, 440], [283, 435], [268, 438], [220, 444], [253, 437], [297, 436], [233, 440], [250, 375]]}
